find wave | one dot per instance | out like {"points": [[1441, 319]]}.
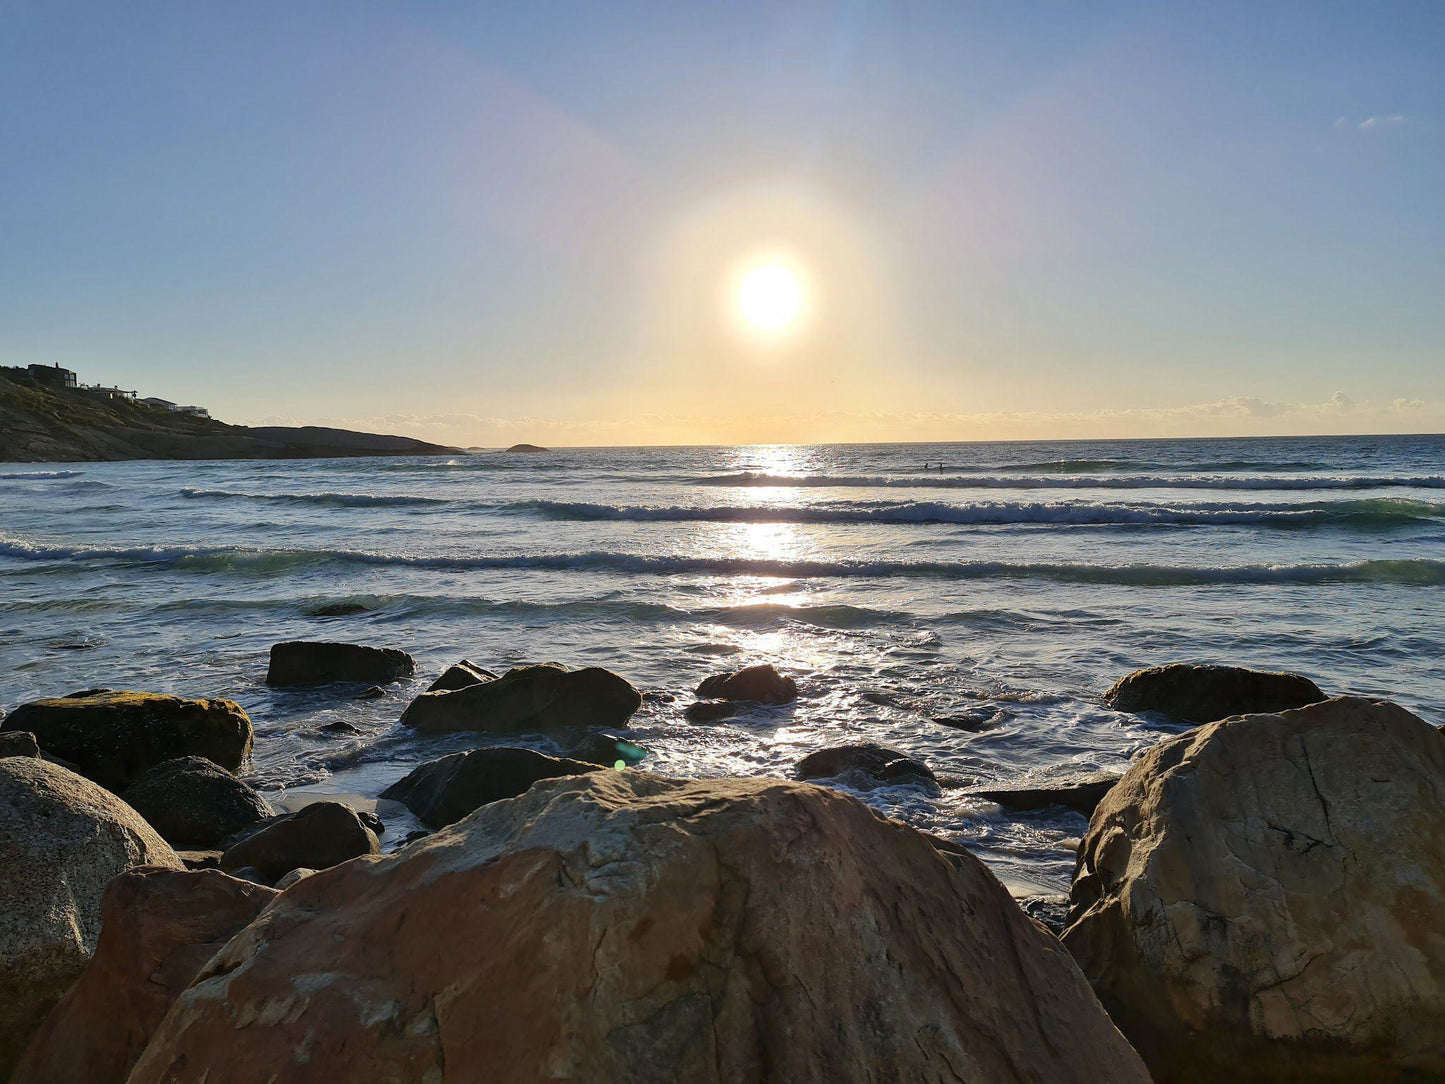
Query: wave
{"points": [[1379, 513], [1418, 571], [26, 475], [1085, 466], [340, 500], [1135, 481]]}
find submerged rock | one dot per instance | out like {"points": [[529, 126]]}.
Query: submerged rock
{"points": [[193, 803], [529, 698], [761, 683], [443, 791], [875, 763], [1260, 899], [18, 743], [115, 737], [1204, 694], [62, 839], [317, 836], [709, 711], [314, 662], [620, 927], [158, 928], [1080, 794], [608, 750], [459, 676]]}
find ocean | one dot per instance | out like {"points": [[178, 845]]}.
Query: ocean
{"points": [[1007, 584]]}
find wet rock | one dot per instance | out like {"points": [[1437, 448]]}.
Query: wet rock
{"points": [[340, 726], [1080, 793], [459, 676], [867, 760], [443, 791], [193, 803], [320, 835], [115, 737], [709, 711], [18, 743], [372, 821], [1204, 694], [529, 698], [606, 749], [158, 928], [1050, 911], [761, 683], [314, 662], [1260, 899], [974, 720], [620, 927], [376, 692], [62, 839], [338, 609]]}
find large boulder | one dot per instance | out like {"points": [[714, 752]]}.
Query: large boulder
{"points": [[315, 662], [1261, 898], [619, 926], [1205, 694], [158, 928], [867, 763], [18, 743], [443, 791], [1079, 793], [192, 802], [762, 683], [62, 839], [315, 837], [459, 675], [529, 698], [114, 737]]}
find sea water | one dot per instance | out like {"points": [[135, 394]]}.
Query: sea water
{"points": [[1006, 585]]}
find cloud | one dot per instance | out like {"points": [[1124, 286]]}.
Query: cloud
{"points": [[1372, 122]]}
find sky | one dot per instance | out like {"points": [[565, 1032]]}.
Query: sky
{"points": [[488, 223]]}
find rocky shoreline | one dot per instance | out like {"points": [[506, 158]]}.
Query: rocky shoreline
{"points": [[1257, 898]]}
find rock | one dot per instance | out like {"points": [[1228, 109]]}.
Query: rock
{"points": [[193, 803], [709, 711], [310, 662], [1261, 898], [1204, 694], [372, 821], [529, 698], [443, 791], [18, 743], [1051, 912], [62, 839], [974, 720], [874, 763], [340, 726], [158, 928], [459, 676], [204, 858], [291, 878], [115, 737], [375, 692], [1080, 794], [762, 683], [338, 609], [620, 926], [606, 749], [317, 836]]}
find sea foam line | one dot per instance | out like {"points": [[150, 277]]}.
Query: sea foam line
{"points": [[1133, 481]]}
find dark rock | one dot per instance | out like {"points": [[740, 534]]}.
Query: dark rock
{"points": [[18, 743], [876, 763], [1080, 794], [376, 692], [320, 835], [527, 448], [974, 720], [882, 699], [158, 928], [606, 749], [207, 858], [193, 803], [709, 711], [658, 696], [1204, 694], [1052, 912], [114, 737], [340, 726], [338, 609], [762, 683], [372, 821], [308, 662], [529, 698], [415, 834], [62, 839], [459, 676], [443, 791]]}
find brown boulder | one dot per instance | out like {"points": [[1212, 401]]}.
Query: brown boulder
{"points": [[113, 737], [1205, 694], [193, 803], [443, 791], [867, 763], [315, 837], [619, 926], [158, 928], [62, 839], [1260, 899], [529, 698], [315, 662], [18, 743], [761, 683], [459, 676]]}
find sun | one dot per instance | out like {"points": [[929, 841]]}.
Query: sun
{"points": [[770, 296]]}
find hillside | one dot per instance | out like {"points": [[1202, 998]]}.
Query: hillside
{"points": [[42, 424]]}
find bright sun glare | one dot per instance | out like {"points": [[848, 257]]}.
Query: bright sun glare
{"points": [[770, 297]]}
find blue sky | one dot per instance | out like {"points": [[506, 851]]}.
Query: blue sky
{"points": [[486, 223]]}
